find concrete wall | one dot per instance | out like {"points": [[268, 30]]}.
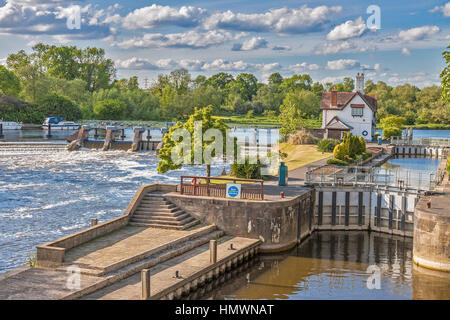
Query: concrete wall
{"points": [[356, 208], [437, 152], [280, 225], [432, 233]]}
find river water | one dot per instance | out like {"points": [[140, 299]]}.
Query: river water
{"points": [[335, 265]]}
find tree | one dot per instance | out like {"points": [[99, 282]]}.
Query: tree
{"points": [[98, 71], [393, 122], [306, 102], [245, 85], [204, 116], [57, 105], [445, 76], [220, 80], [9, 83], [110, 109], [275, 79], [290, 118]]}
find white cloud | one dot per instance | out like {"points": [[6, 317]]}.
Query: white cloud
{"points": [[375, 67], [157, 15], [418, 33], [282, 20], [349, 29], [419, 79], [406, 52], [342, 64], [300, 67], [190, 39], [445, 9], [334, 47], [251, 44], [332, 79], [145, 64], [48, 17], [281, 48], [135, 63]]}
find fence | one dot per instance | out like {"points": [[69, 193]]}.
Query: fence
{"points": [[432, 142], [211, 187], [397, 177]]}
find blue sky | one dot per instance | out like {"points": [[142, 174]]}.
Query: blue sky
{"points": [[327, 39]]}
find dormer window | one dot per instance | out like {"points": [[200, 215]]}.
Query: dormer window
{"points": [[357, 110]]}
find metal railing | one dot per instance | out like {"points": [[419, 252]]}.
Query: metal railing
{"points": [[432, 142], [212, 187], [378, 176]]}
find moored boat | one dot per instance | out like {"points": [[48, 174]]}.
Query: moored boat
{"points": [[58, 123]]}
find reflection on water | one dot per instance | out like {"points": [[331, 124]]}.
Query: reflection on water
{"points": [[333, 265], [417, 164]]}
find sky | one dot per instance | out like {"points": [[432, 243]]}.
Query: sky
{"points": [[329, 40]]}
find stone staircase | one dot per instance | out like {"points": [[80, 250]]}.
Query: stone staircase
{"points": [[155, 211]]}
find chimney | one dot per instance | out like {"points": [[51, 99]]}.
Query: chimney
{"points": [[334, 97], [360, 82]]}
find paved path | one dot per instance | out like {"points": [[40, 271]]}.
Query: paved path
{"points": [[121, 244], [162, 275]]}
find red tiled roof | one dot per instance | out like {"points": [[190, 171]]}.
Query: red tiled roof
{"points": [[343, 98]]}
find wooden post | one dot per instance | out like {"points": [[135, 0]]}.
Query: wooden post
{"points": [[49, 131], [262, 190], [145, 283], [212, 251], [181, 184], [94, 222], [1, 131], [207, 186]]}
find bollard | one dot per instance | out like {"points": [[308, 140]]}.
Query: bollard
{"points": [[49, 131], [96, 134], [429, 204], [94, 222], [123, 134], [213, 251], [145, 282], [282, 194], [1, 131]]}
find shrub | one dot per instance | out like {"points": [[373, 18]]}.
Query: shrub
{"points": [[56, 105], [302, 137], [110, 109], [391, 132], [448, 165], [337, 162], [339, 151], [362, 143], [327, 145], [247, 170]]}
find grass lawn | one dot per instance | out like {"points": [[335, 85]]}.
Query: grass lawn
{"points": [[301, 155], [262, 120]]}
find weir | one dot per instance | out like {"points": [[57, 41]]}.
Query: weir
{"points": [[111, 141]]}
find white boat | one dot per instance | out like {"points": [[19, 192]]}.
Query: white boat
{"points": [[9, 125], [58, 123]]}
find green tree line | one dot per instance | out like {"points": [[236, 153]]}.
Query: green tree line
{"points": [[81, 84]]}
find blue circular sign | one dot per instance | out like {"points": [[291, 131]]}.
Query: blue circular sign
{"points": [[233, 191], [365, 133]]}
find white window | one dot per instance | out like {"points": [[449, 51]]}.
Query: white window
{"points": [[357, 112]]}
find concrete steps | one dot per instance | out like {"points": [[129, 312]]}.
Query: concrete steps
{"points": [[157, 256], [155, 211], [194, 267]]}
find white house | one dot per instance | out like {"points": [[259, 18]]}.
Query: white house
{"points": [[349, 111]]}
